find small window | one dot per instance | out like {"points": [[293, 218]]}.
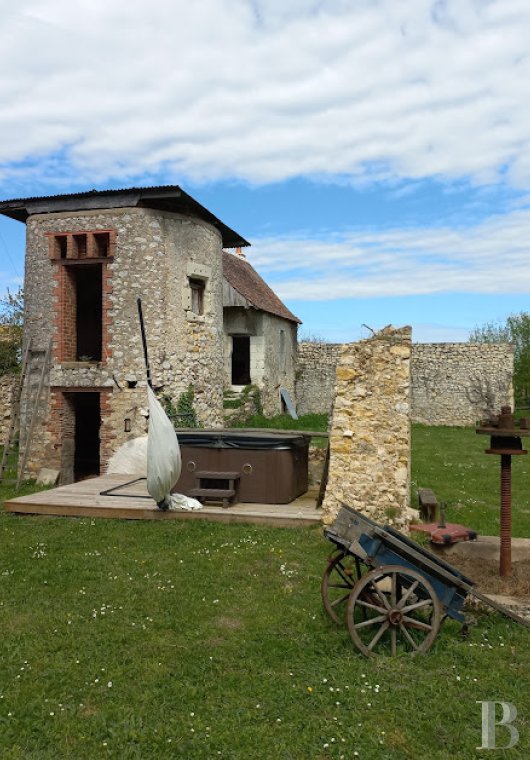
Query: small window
{"points": [[283, 357], [101, 244], [197, 295], [80, 246], [60, 244]]}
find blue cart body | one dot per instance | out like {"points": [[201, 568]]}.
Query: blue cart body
{"points": [[376, 545]]}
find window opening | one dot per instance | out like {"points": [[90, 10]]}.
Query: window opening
{"points": [[283, 363], [60, 246], [89, 312], [197, 295], [80, 246], [102, 244]]}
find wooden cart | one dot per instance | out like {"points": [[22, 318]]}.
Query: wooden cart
{"points": [[394, 593]]}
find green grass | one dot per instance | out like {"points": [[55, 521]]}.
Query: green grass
{"points": [[202, 641], [312, 422], [452, 462], [7, 486], [286, 422], [198, 640]]}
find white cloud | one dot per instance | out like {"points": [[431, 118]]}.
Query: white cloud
{"points": [[264, 89], [488, 258]]}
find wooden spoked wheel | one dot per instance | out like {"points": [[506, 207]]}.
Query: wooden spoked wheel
{"points": [[341, 575], [393, 609]]}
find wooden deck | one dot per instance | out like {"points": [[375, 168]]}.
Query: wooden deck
{"points": [[132, 502]]}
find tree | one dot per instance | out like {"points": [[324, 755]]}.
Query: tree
{"points": [[11, 328], [515, 330]]}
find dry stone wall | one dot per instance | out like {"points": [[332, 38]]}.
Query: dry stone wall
{"points": [[7, 383], [315, 377], [452, 383], [458, 383], [369, 465]]}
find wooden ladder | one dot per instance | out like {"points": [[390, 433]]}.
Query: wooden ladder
{"points": [[32, 403], [34, 412], [14, 425]]}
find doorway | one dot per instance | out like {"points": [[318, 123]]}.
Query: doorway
{"points": [[87, 411], [241, 360]]}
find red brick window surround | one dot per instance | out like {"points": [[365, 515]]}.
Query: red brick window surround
{"points": [[83, 287], [89, 244]]}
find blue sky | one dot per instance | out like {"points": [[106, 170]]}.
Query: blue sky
{"points": [[376, 154]]}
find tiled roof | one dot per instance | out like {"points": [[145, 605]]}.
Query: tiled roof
{"points": [[244, 278]]}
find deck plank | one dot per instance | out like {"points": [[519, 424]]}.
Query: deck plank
{"points": [[84, 499]]}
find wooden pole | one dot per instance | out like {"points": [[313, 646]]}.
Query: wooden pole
{"points": [[144, 341]]}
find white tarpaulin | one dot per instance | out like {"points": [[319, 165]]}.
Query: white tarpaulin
{"points": [[163, 459]]}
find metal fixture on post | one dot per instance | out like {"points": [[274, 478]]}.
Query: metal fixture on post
{"points": [[506, 434]]}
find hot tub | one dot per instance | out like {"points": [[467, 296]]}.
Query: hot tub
{"points": [[272, 466]]}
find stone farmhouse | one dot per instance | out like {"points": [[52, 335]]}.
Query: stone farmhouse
{"points": [[211, 320]]}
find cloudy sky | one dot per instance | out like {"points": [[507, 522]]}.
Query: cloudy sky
{"points": [[376, 153]]}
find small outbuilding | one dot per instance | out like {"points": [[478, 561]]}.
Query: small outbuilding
{"points": [[260, 334], [89, 256]]}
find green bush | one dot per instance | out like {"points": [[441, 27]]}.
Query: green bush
{"points": [[9, 356], [183, 414]]}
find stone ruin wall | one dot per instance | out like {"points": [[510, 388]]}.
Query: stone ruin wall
{"points": [[451, 383], [369, 467], [459, 383], [7, 383], [315, 377]]}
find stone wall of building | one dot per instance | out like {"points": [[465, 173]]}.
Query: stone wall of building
{"points": [[273, 347], [280, 352], [7, 383], [155, 255], [369, 466], [315, 377], [452, 383], [459, 383]]}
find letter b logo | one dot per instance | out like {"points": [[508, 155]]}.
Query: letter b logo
{"points": [[489, 724]]}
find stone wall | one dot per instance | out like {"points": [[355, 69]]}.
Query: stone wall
{"points": [[459, 383], [273, 346], [452, 383], [156, 253], [7, 383], [315, 377], [280, 352], [369, 465]]}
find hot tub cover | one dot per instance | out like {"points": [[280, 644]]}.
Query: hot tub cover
{"points": [[233, 439]]}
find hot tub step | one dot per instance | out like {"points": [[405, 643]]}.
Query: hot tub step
{"points": [[213, 494]]}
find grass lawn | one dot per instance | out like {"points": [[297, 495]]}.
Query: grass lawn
{"points": [[203, 641], [312, 422], [452, 462]]}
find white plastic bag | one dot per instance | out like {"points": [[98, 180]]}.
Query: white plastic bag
{"points": [[163, 459]]}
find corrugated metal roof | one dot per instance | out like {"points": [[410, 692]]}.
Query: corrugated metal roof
{"points": [[163, 197], [244, 278]]}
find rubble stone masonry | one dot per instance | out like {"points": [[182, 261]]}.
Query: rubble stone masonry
{"points": [[153, 255], [452, 383], [369, 466], [459, 383], [7, 383], [315, 377]]}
